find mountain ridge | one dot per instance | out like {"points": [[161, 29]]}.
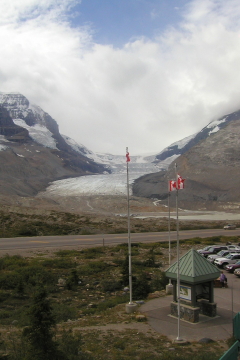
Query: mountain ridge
{"points": [[210, 168], [34, 154], [30, 141]]}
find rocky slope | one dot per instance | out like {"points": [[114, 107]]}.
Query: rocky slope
{"points": [[33, 153], [211, 169]]}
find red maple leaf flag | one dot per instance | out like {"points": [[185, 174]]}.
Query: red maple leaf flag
{"points": [[172, 185], [127, 157], [180, 182]]}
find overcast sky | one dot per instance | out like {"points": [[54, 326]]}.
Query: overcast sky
{"points": [[117, 73]]}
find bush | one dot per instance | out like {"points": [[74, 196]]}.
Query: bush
{"points": [[92, 253], [72, 280], [159, 281], [111, 285], [68, 253], [3, 295], [93, 268], [9, 280], [58, 263], [12, 262], [150, 261], [107, 304], [35, 274], [63, 312], [141, 287]]}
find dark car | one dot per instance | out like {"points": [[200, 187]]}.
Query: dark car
{"points": [[231, 267], [213, 250]]}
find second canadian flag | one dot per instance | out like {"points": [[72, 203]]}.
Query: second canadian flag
{"points": [[176, 185]]}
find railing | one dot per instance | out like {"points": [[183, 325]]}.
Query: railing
{"points": [[232, 353]]}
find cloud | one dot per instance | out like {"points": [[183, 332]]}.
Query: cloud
{"points": [[145, 95], [154, 14]]}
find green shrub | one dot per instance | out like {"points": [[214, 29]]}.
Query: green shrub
{"points": [[9, 280], [64, 312], [5, 314], [111, 285], [193, 241], [58, 263], [141, 287], [106, 304], [92, 253], [68, 253], [4, 295], [213, 240], [12, 262], [36, 274], [72, 280], [158, 281], [93, 268]]}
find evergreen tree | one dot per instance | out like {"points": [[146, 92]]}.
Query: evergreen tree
{"points": [[72, 280], [125, 271], [39, 334]]}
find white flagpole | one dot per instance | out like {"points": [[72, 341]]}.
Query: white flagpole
{"points": [[129, 238], [169, 233], [178, 268], [169, 286]]}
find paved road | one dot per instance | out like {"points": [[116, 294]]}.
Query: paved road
{"points": [[106, 239]]}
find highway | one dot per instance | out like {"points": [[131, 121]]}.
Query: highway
{"points": [[40, 242]]}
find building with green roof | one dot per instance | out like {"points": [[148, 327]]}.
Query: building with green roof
{"points": [[197, 277]]}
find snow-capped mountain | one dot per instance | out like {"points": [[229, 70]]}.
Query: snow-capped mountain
{"points": [[33, 152], [178, 148], [36, 134], [210, 167], [114, 182]]}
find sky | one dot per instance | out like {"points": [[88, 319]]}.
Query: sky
{"points": [[140, 74]]}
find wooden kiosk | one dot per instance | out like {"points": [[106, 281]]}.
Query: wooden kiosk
{"points": [[197, 277]]}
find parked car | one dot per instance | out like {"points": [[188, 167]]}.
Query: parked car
{"points": [[230, 227], [231, 267], [229, 259], [205, 249], [213, 250], [233, 247], [237, 272], [220, 254]]}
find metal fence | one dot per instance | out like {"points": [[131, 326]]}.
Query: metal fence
{"points": [[233, 352]]}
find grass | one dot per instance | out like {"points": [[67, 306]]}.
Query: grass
{"points": [[86, 289], [14, 224], [133, 344]]}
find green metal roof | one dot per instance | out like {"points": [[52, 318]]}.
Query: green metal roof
{"points": [[193, 268]]}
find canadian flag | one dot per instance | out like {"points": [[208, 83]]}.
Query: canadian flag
{"points": [[127, 157], [180, 182], [172, 185]]}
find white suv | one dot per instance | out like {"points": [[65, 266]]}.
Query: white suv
{"points": [[229, 259], [220, 254]]}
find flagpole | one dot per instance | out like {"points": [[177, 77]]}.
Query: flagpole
{"points": [[129, 237], [169, 233], [178, 267]]}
